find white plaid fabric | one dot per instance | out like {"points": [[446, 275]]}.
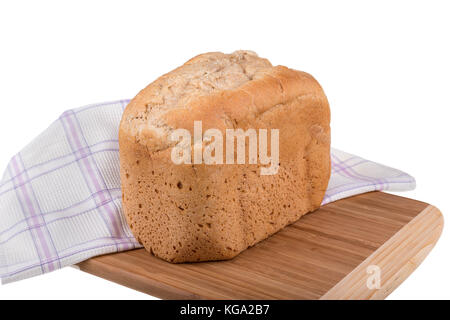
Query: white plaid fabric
{"points": [[60, 198]]}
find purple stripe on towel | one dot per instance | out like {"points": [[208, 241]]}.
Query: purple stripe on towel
{"points": [[94, 177], [71, 154], [42, 246], [54, 169]]}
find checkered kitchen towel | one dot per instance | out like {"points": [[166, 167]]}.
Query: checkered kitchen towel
{"points": [[60, 198]]}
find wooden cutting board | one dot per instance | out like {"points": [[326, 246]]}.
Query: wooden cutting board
{"points": [[332, 253]]}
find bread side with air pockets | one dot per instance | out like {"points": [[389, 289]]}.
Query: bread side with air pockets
{"points": [[199, 212]]}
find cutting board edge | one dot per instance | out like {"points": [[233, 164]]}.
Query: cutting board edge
{"points": [[423, 231], [150, 286], [410, 242]]}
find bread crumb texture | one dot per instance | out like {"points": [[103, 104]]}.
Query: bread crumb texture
{"points": [[199, 212]]}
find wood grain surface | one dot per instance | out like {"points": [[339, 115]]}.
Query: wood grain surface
{"points": [[324, 255]]}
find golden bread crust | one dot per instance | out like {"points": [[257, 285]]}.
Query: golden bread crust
{"points": [[203, 212]]}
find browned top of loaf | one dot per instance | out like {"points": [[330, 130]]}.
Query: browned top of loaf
{"points": [[214, 84]]}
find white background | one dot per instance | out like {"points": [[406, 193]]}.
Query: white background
{"points": [[384, 66]]}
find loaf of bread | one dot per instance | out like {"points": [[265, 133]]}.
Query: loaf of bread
{"points": [[192, 211]]}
